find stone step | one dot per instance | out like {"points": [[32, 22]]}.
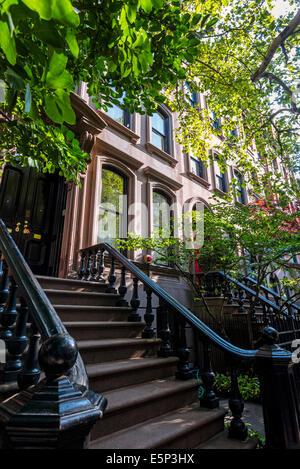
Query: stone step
{"points": [[120, 373], [221, 441], [135, 404], [84, 330], [92, 313], [56, 283], [185, 427], [79, 298], [100, 351]]}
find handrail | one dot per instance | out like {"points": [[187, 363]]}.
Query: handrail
{"points": [[271, 292], [42, 311], [202, 328], [250, 291]]}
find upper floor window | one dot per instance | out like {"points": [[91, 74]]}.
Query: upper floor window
{"points": [[118, 114], [216, 121], [221, 182], [241, 196], [197, 167], [160, 131], [190, 95]]}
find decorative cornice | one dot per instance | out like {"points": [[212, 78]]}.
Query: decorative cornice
{"points": [[117, 153], [162, 154], [87, 118], [197, 178], [133, 137], [157, 176]]}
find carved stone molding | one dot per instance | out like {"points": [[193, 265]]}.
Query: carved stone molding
{"points": [[88, 123]]}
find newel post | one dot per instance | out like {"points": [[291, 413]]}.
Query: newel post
{"points": [[55, 413], [279, 395]]}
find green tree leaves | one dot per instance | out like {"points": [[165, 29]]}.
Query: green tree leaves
{"points": [[7, 43]]}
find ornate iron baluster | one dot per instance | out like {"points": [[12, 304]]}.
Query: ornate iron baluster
{"points": [[148, 332], [184, 371], [237, 429], [101, 279], [9, 313], [87, 272], [122, 289], [209, 400], [5, 333], [16, 345], [82, 265], [94, 269], [30, 373], [228, 293], [164, 331], [135, 302], [112, 278], [241, 300]]}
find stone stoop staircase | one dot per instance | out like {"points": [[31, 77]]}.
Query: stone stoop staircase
{"points": [[147, 406]]}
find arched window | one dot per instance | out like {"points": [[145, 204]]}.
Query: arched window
{"points": [[160, 131], [162, 224], [112, 222]]}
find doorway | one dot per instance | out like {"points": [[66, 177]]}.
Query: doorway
{"points": [[32, 207]]}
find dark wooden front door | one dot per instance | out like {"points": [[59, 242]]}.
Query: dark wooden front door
{"points": [[31, 205]]}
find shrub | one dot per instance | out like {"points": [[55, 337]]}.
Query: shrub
{"points": [[249, 387]]}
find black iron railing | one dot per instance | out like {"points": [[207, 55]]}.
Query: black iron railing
{"points": [[284, 304], [60, 398], [272, 364]]}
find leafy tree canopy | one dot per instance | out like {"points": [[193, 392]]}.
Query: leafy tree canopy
{"points": [[249, 70], [49, 46], [243, 58]]}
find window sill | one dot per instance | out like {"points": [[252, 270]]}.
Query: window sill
{"points": [[197, 178], [133, 137], [162, 154], [220, 192]]}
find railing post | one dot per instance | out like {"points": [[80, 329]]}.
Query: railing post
{"points": [[112, 278], [16, 345], [94, 269], [122, 289], [82, 265], [209, 400], [237, 429], [30, 373], [87, 271], [101, 278], [184, 371], [55, 414], [135, 302], [5, 332], [280, 400], [148, 332], [163, 329]]}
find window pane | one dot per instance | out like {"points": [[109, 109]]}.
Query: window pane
{"points": [[158, 123], [197, 167], [116, 113], [161, 212], [111, 207], [158, 140]]}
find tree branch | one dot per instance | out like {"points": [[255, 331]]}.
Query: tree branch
{"points": [[293, 24]]}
